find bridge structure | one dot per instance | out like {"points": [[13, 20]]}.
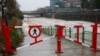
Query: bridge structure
{"points": [[37, 14], [71, 13]]}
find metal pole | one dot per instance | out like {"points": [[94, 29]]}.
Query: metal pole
{"points": [[4, 10], [77, 40], [51, 31], [94, 37], [70, 32], [83, 36]]}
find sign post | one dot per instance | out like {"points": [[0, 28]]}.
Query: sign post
{"points": [[35, 32]]}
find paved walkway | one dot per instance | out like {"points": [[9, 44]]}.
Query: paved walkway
{"points": [[48, 48]]}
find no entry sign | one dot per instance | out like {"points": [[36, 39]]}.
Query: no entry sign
{"points": [[34, 31]]}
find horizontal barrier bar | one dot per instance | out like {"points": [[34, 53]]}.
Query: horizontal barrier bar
{"points": [[67, 27], [55, 27], [18, 26]]}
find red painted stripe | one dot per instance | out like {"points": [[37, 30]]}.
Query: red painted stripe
{"points": [[36, 42]]}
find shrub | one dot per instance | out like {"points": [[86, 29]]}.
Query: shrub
{"points": [[16, 38]]}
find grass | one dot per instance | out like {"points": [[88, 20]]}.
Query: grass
{"points": [[16, 38]]}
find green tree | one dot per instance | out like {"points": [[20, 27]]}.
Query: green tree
{"points": [[13, 9]]}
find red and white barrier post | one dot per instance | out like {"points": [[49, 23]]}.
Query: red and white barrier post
{"points": [[7, 40], [77, 34], [59, 35], [94, 37]]}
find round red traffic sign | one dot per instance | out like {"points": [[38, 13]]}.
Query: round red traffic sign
{"points": [[34, 31]]}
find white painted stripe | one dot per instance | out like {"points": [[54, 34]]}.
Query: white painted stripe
{"points": [[85, 45], [48, 38], [23, 46], [73, 40], [27, 45], [69, 38]]}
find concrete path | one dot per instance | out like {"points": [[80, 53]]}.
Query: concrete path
{"points": [[48, 47]]}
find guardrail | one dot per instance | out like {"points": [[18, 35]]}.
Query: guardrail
{"points": [[78, 34]]}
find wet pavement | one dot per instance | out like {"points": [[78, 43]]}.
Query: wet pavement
{"points": [[48, 47]]}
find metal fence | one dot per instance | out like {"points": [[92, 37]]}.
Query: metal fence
{"points": [[84, 35]]}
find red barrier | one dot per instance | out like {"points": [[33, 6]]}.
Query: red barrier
{"points": [[59, 35], [77, 34], [94, 37], [7, 40]]}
